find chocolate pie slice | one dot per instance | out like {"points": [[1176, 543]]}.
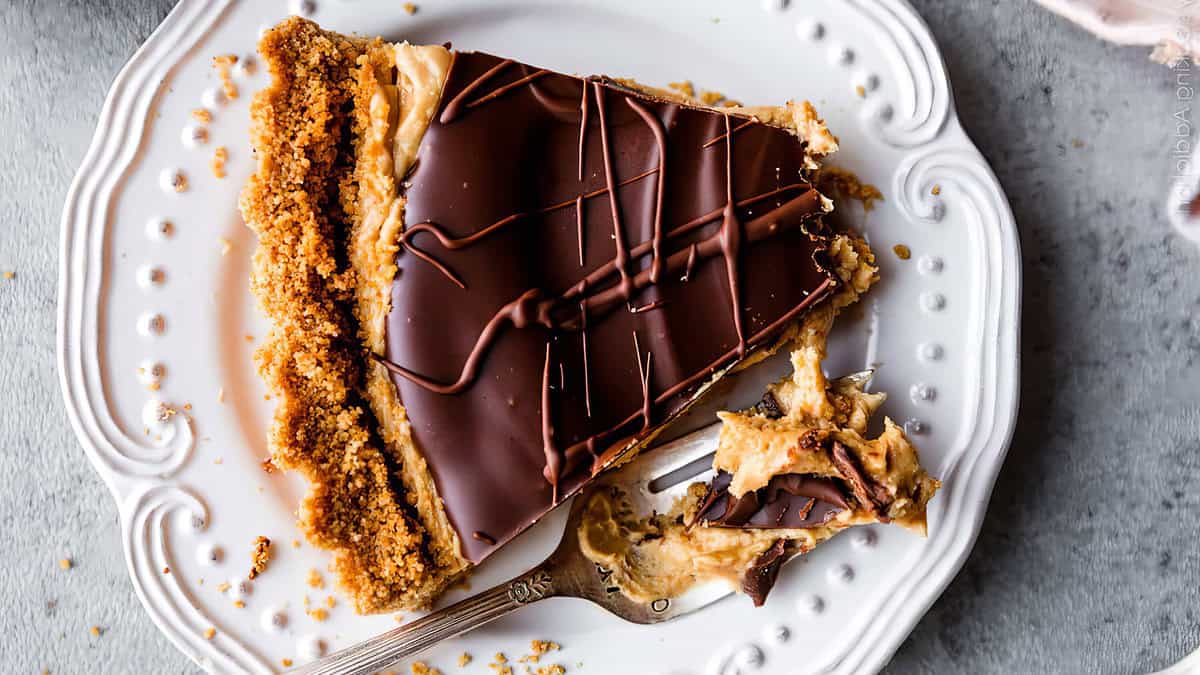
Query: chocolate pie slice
{"points": [[489, 282]]}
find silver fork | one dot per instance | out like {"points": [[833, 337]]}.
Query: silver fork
{"points": [[653, 482]]}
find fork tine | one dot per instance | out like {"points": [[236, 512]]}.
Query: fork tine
{"points": [[663, 459], [861, 378]]}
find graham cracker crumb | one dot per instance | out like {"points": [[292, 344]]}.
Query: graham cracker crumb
{"points": [[318, 613], [209, 633], [410, 8], [902, 252], [685, 87], [848, 185], [202, 115], [330, 601], [286, 662], [861, 91], [65, 564], [220, 156], [422, 668], [463, 659], [9, 274], [154, 386], [95, 631], [315, 580], [710, 97], [181, 183], [731, 103], [239, 604], [260, 556], [539, 648], [542, 646], [499, 664], [268, 466], [223, 65], [555, 669], [295, 543], [937, 190], [166, 570], [223, 586], [219, 460]]}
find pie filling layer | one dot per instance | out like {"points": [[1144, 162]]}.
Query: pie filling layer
{"points": [[489, 282]]}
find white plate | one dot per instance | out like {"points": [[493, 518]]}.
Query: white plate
{"points": [[136, 294]]}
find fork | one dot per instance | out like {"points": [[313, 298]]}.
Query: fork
{"points": [[653, 482]]}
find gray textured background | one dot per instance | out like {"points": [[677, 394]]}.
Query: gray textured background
{"points": [[1088, 561]]}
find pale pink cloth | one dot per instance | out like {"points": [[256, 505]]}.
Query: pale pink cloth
{"points": [[1171, 26]]}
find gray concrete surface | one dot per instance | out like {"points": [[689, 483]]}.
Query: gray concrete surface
{"points": [[1088, 561]]}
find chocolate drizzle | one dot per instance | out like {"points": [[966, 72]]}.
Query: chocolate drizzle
{"points": [[717, 139], [731, 242], [660, 137], [644, 377], [625, 287], [454, 107], [553, 460], [454, 244], [503, 204]]}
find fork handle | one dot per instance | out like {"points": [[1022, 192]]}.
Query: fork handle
{"points": [[410, 639]]}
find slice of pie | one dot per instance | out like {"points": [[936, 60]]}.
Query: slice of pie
{"points": [[792, 472], [489, 281]]}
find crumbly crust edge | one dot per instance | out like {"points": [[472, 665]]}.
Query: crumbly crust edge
{"points": [[301, 203]]}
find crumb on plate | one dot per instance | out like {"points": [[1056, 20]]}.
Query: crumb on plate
{"points": [[220, 156], [224, 64], [260, 556]]}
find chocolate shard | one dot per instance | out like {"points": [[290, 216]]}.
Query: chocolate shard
{"points": [[544, 209], [762, 574], [769, 407], [790, 501], [873, 497]]}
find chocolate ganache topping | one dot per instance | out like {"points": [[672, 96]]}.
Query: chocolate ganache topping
{"points": [[579, 259]]}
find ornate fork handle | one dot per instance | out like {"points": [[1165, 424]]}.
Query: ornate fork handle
{"points": [[408, 640]]}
